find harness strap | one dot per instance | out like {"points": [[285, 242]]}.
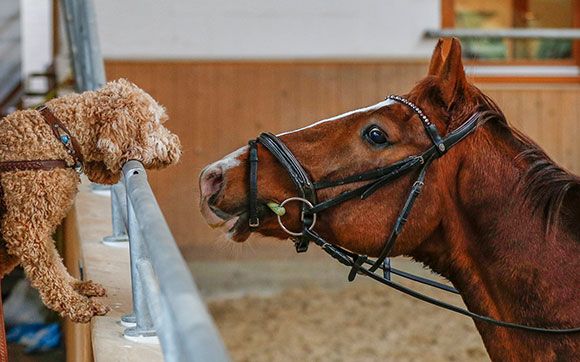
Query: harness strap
{"points": [[63, 135], [366, 176], [253, 219], [387, 174], [430, 128], [403, 215], [9, 166], [300, 178]]}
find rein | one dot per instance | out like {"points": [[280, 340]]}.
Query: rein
{"points": [[362, 264], [63, 135]]}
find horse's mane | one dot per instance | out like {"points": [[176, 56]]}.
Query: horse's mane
{"points": [[550, 189], [545, 184]]}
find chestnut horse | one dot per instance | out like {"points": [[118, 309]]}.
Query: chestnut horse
{"points": [[496, 217]]}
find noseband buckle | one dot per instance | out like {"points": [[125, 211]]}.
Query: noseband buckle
{"points": [[307, 203]]}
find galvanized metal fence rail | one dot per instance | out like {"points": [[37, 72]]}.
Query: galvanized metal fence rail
{"points": [[81, 30], [509, 33], [166, 301]]}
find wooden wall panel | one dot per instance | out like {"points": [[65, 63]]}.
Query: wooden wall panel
{"points": [[77, 336], [548, 114], [215, 107]]}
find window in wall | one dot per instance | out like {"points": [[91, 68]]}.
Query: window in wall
{"points": [[502, 14]]}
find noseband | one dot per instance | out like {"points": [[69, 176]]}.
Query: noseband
{"points": [[376, 178]]}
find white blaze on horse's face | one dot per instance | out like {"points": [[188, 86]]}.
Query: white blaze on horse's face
{"points": [[231, 160], [211, 181], [372, 108]]}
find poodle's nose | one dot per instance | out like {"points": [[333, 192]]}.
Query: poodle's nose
{"points": [[211, 181]]}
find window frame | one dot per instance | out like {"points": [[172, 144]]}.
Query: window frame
{"points": [[448, 22]]}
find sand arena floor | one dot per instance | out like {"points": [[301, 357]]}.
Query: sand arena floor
{"points": [[273, 305]]}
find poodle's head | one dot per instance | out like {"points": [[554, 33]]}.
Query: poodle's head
{"points": [[129, 126]]}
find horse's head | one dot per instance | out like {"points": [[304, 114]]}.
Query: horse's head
{"points": [[356, 142]]}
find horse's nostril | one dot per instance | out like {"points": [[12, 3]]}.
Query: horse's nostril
{"points": [[211, 182]]}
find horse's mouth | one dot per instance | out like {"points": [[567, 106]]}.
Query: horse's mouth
{"points": [[234, 222], [237, 227]]}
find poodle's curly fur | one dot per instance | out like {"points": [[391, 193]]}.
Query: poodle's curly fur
{"points": [[115, 124]]}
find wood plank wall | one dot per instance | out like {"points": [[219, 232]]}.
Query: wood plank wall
{"points": [[215, 107]]}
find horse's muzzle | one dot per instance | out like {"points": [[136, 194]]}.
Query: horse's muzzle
{"points": [[211, 182]]}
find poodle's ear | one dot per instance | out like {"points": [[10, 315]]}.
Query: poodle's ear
{"points": [[116, 137], [446, 65]]}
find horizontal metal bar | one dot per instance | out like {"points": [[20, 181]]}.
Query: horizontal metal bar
{"points": [[523, 70], [158, 310], [508, 33], [196, 334]]}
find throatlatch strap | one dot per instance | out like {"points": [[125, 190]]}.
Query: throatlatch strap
{"points": [[403, 215], [253, 219]]}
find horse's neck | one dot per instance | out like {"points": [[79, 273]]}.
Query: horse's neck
{"points": [[495, 251]]}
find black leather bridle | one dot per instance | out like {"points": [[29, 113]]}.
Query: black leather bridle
{"points": [[377, 178]]}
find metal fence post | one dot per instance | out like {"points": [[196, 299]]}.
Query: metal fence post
{"points": [[137, 251], [81, 30], [118, 216]]}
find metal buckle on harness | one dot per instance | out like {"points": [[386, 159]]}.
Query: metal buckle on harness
{"points": [[418, 184], [78, 167]]}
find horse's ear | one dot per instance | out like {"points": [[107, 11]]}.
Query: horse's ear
{"points": [[446, 65], [436, 61]]}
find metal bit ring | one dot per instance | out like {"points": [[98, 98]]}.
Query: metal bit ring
{"points": [[301, 200]]}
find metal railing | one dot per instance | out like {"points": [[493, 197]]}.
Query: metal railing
{"points": [[85, 53], [166, 301], [509, 33]]}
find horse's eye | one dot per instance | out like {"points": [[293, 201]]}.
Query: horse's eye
{"points": [[376, 136]]}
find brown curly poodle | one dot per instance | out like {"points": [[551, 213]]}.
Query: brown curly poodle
{"points": [[117, 123]]}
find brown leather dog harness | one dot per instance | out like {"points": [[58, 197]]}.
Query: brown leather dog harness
{"points": [[63, 135]]}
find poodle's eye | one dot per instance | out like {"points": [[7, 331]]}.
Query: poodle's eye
{"points": [[376, 136]]}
